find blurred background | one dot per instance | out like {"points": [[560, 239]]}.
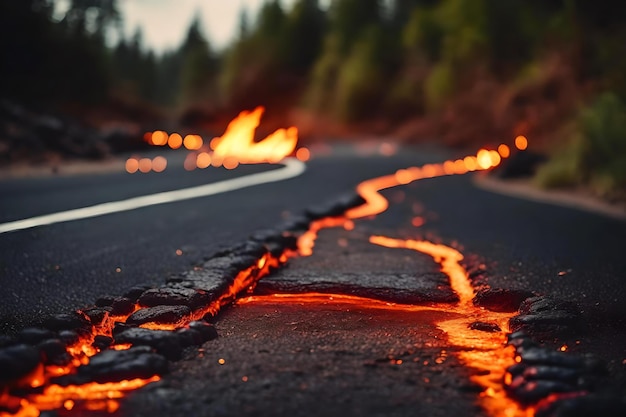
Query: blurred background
{"points": [[87, 78]]}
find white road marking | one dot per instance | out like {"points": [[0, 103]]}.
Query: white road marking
{"points": [[292, 168]]}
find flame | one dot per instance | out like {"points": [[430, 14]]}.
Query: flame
{"points": [[238, 141]]}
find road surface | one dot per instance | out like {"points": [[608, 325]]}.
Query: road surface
{"points": [[571, 254]]}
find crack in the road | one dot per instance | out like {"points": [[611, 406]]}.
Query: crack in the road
{"points": [[104, 345]]}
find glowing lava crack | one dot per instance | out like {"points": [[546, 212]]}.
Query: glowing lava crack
{"points": [[90, 358]]}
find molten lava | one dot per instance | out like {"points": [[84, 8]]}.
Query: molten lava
{"points": [[479, 350]]}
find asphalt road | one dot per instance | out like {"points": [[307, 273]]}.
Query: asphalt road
{"points": [[61, 267], [564, 252]]}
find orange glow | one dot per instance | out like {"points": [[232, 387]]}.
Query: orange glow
{"points": [[132, 165], [504, 150], [54, 396], [521, 143], [145, 165], [175, 141], [159, 138], [192, 142], [495, 158], [230, 163], [417, 221], [203, 160], [190, 162], [387, 149], [470, 163], [303, 154], [121, 346], [446, 256], [238, 141], [159, 164], [484, 159]]}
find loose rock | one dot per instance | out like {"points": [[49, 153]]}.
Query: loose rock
{"points": [[17, 361], [159, 314], [164, 342], [485, 327], [174, 296], [118, 365], [501, 300], [34, 335]]}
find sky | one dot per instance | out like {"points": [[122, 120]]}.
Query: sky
{"points": [[164, 22]]}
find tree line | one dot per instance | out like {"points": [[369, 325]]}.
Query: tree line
{"points": [[351, 60]]}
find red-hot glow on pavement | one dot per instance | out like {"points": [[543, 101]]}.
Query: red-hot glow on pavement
{"points": [[478, 350]]}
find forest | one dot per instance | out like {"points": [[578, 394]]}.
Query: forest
{"points": [[461, 72]]}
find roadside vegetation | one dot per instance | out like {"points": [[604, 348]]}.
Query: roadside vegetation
{"points": [[460, 71]]}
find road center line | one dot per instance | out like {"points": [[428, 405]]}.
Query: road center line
{"points": [[292, 168]]}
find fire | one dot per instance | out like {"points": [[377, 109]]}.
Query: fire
{"points": [[238, 141], [236, 146]]}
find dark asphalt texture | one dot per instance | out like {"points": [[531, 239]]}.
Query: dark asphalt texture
{"points": [[563, 252], [61, 267]]}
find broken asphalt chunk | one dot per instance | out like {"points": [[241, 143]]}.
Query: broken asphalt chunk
{"points": [[501, 300], [583, 406], [34, 335], [161, 314], [164, 342], [206, 330], [17, 361], [118, 365], [485, 327], [73, 321], [177, 295]]}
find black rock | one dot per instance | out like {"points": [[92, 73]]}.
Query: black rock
{"points": [[135, 292], [189, 337], [164, 342], [485, 327], [97, 314], [296, 224], [52, 348], [501, 300], [177, 295], [159, 314], [118, 365], [267, 236], [520, 340], [69, 337], [249, 248], [517, 369], [72, 321], [536, 305], [553, 373], [17, 361], [34, 335], [6, 341], [540, 356], [102, 342], [334, 208], [583, 406], [122, 306], [105, 301], [544, 321], [207, 330], [533, 391]]}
